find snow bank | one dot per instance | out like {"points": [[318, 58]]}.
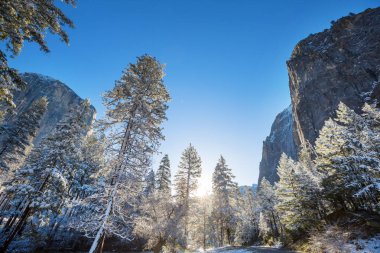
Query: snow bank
{"points": [[371, 245], [226, 249]]}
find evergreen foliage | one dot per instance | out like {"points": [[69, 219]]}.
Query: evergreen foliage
{"points": [[225, 201], [186, 180], [163, 176], [136, 108], [26, 20], [17, 137], [45, 183]]}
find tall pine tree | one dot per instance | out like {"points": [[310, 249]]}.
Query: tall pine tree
{"points": [[186, 183], [136, 107], [225, 200]]}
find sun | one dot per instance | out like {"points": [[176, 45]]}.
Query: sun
{"points": [[204, 185]]}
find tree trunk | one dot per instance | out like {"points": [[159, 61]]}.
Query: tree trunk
{"points": [[12, 235], [101, 231], [204, 231], [102, 244], [21, 221], [275, 224], [158, 247], [114, 182]]}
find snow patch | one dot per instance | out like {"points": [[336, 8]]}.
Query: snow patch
{"points": [[371, 245], [227, 250]]}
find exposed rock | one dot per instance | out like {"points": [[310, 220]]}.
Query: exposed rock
{"points": [[280, 140], [339, 64], [60, 98]]}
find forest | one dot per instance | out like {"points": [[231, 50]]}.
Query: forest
{"points": [[89, 185]]}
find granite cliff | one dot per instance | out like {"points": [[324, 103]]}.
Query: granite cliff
{"points": [[60, 98], [281, 139], [339, 64]]}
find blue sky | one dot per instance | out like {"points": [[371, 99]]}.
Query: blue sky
{"points": [[225, 64]]}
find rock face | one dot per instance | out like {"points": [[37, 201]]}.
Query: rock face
{"points": [[60, 98], [281, 140], [339, 64]]}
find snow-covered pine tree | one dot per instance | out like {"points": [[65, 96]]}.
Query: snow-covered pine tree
{"points": [[26, 20], [329, 145], [136, 108], [17, 137], [225, 198], [201, 227], [92, 164], [370, 190], [186, 183], [157, 222], [312, 200], [87, 187], [363, 134], [295, 191], [158, 216], [288, 194], [150, 183], [346, 158], [163, 176], [43, 186], [265, 228], [247, 227], [269, 219]]}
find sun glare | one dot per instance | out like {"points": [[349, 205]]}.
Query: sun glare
{"points": [[204, 186]]}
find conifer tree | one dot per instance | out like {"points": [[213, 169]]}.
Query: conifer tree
{"points": [[370, 189], [42, 186], [329, 145], [269, 219], [265, 227], [247, 227], [201, 226], [288, 193], [136, 108], [186, 183], [17, 137], [87, 186], [158, 217], [163, 176], [347, 157], [92, 164], [296, 193], [225, 197], [150, 183]]}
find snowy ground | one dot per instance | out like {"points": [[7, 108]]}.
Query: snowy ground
{"points": [[254, 249], [365, 246]]}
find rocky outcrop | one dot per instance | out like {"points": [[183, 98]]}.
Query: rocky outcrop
{"points": [[281, 140], [60, 98], [339, 64]]}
